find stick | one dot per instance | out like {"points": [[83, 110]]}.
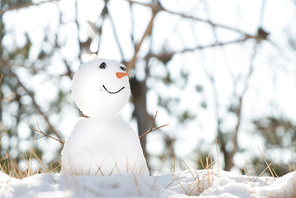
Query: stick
{"points": [[153, 130], [39, 131]]}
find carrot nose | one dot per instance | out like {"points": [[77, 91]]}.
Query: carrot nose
{"points": [[121, 74]]}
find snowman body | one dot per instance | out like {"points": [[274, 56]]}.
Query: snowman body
{"points": [[103, 144]]}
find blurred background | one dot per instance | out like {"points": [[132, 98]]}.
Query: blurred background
{"points": [[222, 74]]}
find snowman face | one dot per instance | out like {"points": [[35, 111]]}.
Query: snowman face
{"points": [[100, 87]]}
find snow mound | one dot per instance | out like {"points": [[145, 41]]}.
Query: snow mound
{"points": [[202, 183], [48, 185], [208, 183]]}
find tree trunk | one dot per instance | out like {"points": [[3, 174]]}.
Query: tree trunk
{"points": [[228, 160], [139, 91]]}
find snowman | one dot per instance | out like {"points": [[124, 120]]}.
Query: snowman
{"points": [[102, 144]]}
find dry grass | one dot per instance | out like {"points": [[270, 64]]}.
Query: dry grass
{"points": [[201, 180], [10, 166], [198, 184]]}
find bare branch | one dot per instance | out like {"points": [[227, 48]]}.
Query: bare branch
{"points": [[262, 13], [153, 130], [132, 24], [69, 72], [155, 7], [52, 129], [239, 108], [115, 34], [131, 64], [217, 41], [154, 120], [37, 106], [11, 95], [78, 29], [168, 55], [39, 131], [25, 6], [1, 78]]}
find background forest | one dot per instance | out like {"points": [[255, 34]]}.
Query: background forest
{"points": [[216, 71]]}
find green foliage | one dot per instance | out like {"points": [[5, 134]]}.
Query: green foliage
{"points": [[23, 52], [186, 115], [167, 80], [203, 104], [199, 88], [171, 103], [278, 132]]}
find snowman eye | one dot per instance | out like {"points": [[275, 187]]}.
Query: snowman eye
{"points": [[103, 65], [123, 68]]}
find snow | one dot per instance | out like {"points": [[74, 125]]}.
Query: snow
{"points": [[89, 84], [103, 145], [202, 183]]}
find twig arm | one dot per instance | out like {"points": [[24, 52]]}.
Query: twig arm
{"points": [[153, 130], [39, 131]]}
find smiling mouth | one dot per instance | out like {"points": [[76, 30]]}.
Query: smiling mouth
{"points": [[115, 92]]}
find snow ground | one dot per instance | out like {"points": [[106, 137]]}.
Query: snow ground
{"points": [[205, 183]]}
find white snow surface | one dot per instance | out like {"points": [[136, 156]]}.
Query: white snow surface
{"points": [[180, 184]]}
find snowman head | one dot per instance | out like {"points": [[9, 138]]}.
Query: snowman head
{"points": [[100, 87]]}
